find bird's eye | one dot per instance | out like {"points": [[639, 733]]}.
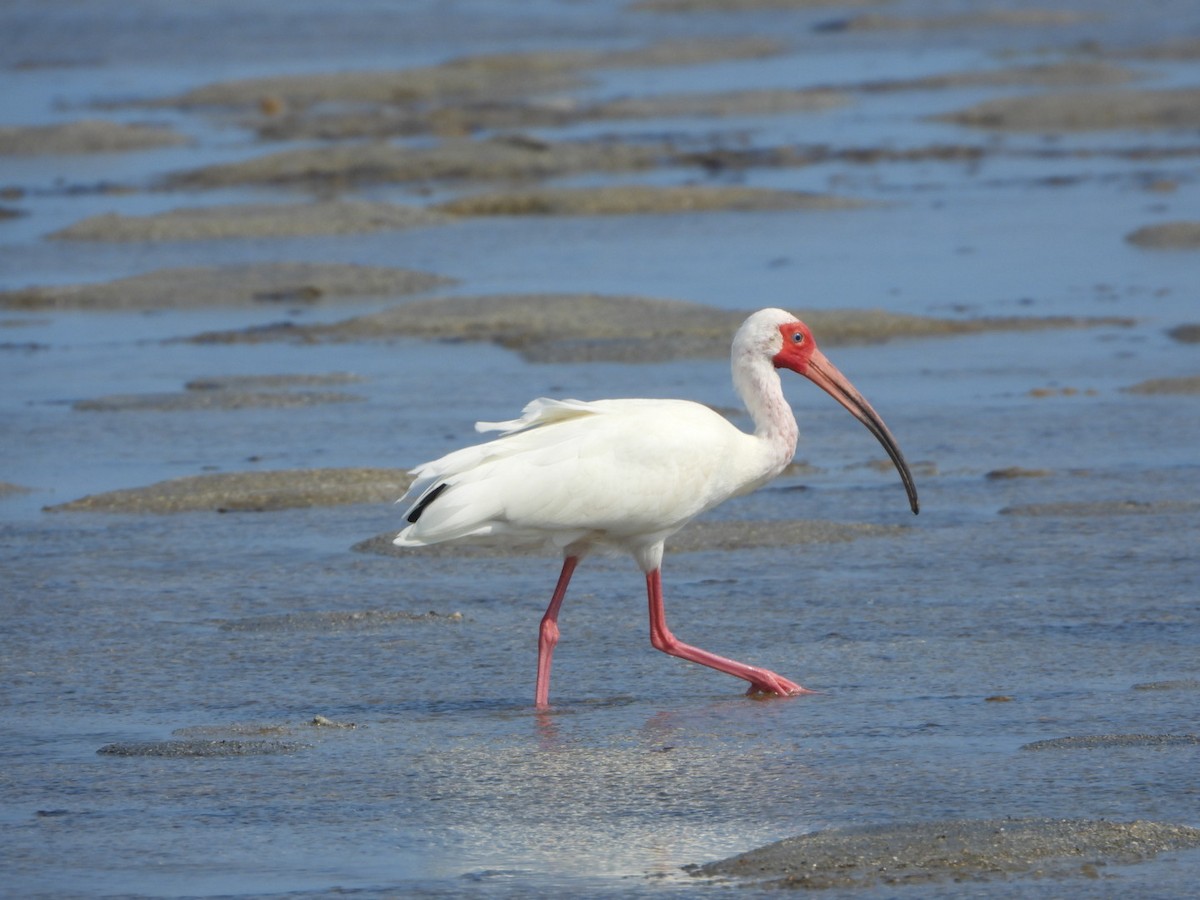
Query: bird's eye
{"points": [[797, 337]]}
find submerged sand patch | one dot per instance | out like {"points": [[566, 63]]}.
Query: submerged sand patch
{"points": [[356, 620], [461, 119], [232, 392], [697, 537], [635, 199], [517, 157], [1188, 384], [1107, 741], [1071, 73], [188, 748], [1188, 333], [196, 401], [470, 77], [950, 850], [1098, 110], [1182, 235], [466, 117], [511, 157], [1102, 508], [283, 381], [592, 327], [250, 492], [241, 285], [1010, 18], [252, 220], [86, 136], [692, 6]]}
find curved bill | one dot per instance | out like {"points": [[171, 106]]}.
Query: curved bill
{"points": [[825, 375]]}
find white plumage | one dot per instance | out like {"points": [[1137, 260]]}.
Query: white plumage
{"points": [[622, 473], [627, 474]]}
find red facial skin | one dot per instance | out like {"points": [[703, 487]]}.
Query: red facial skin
{"points": [[800, 354]]}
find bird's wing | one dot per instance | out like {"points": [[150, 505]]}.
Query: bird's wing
{"points": [[543, 411], [540, 412], [568, 468]]}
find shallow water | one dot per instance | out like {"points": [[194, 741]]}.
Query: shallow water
{"points": [[121, 629]]}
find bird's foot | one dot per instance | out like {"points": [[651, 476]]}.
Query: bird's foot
{"points": [[770, 684]]}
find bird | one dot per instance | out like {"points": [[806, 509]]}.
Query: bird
{"points": [[626, 474]]}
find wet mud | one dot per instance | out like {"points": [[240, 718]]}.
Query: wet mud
{"points": [[952, 850]]}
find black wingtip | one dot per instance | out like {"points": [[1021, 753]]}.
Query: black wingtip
{"points": [[425, 501]]}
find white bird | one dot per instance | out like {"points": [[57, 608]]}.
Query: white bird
{"points": [[628, 474]]}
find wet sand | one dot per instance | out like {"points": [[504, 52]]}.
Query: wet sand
{"points": [[263, 283], [488, 75], [85, 136], [956, 851], [249, 221], [1167, 236], [259, 262], [256, 491], [639, 199], [556, 328], [1086, 111], [698, 537]]}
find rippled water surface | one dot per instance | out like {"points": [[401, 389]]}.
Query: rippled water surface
{"points": [[1012, 610]]}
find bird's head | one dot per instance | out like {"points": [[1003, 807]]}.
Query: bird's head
{"points": [[790, 345]]}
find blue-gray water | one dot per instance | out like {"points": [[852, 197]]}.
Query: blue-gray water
{"points": [[150, 628]]}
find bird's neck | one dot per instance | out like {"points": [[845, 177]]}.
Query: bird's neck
{"points": [[757, 383]]}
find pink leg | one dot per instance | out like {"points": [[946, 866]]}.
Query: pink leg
{"points": [[761, 680], [548, 633]]}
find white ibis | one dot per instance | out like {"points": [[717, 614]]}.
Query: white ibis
{"points": [[628, 474]]}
